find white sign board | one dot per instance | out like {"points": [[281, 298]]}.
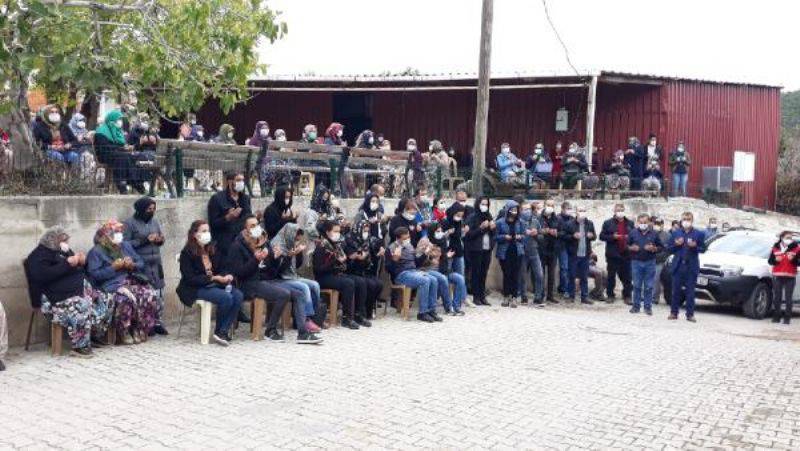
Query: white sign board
{"points": [[562, 120], [744, 166]]}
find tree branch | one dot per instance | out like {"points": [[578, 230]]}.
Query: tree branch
{"points": [[141, 5]]}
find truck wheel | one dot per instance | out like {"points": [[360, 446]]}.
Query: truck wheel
{"points": [[757, 305]]}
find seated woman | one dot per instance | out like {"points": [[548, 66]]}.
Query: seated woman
{"points": [[59, 288], [115, 268], [248, 260], [203, 277], [54, 137], [406, 216], [82, 145], [330, 270], [279, 212], [289, 243], [112, 150], [363, 251], [445, 241]]}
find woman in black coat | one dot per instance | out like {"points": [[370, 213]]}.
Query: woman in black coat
{"points": [[202, 277], [478, 245], [406, 216], [279, 212]]}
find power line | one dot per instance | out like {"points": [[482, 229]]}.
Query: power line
{"points": [[558, 36]]}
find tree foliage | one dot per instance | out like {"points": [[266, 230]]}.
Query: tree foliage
{"points": [[790, 109]]}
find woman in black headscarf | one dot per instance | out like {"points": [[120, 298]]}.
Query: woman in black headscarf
{"points": [[279, 212], [364, 252]]}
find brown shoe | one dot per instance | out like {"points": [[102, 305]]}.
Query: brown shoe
{"points": [[691, 319], [672, 317], [125, 339]]}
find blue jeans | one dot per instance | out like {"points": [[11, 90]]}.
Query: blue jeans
{"points": [[457, 265], [308, 290], [68, 156], [683, 285], [563, 271], [426, 285], [459, 289], [679, 182], [537, 275], [228, 305], [643, 273], [443, 285], [578, 269]]}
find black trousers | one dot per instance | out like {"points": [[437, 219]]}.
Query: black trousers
{"points": [[373, 287], [479, 267], [784, 288], [273, 294], [511, 267], [619, 267], [352, 292], [549, 269]]}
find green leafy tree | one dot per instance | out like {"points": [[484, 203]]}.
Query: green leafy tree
{"points": [[174, 54]]}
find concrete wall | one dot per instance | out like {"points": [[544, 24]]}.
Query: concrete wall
{"points": [[23, 219]]}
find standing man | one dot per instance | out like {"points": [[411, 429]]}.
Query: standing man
{"points": [[643, 244], [549, 247], [564, 218], [635, 158], [661, 259], [615, 233], [531, 264], [686, 244], [580, 232]]}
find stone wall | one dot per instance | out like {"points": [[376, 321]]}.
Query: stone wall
{"points": [[23, 219]]}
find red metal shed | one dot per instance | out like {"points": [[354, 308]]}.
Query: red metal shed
{"points": [[714, 119]]}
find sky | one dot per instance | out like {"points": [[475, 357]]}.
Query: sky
{"points": [[733, 40]]}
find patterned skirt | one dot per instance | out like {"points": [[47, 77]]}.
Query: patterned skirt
{"points": [[82, 315], [136, 307]]}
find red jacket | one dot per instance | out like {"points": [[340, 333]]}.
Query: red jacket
{"points": [[784, 262]]}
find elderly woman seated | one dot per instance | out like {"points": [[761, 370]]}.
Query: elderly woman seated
{"points": [[118, 270], [58, 287]]}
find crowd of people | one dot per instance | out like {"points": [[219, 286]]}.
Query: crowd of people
{"points": [[440, 249]]}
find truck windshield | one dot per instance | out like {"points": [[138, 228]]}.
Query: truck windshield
{"points": [[750, 245]]}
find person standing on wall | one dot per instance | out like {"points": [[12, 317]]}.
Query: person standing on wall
{"points": [[784, 260], [635, 158], [685, 244], [644, 245], [615, 233], [679, 163]]}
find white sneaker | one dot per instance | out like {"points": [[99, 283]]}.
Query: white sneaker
{"points": [[468, 302], [220, 341]]}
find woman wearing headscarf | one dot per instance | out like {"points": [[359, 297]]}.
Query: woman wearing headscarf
{"points": [[372, 212], [290, 245], [143, 137], [82, 144], [334, 136], [58, 286], [261, 139], [279, 212], [143, 232], [479, 241], [54, 136], [330, 270], [321, 203], [225, 135], [115, 268], [112, 150], [415, 174], [363, 251]]}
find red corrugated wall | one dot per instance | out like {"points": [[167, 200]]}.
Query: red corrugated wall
{"points": [[714, 120]]}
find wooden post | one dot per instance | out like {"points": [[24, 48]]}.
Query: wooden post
{"points": [[591, 104], [482, 109]]}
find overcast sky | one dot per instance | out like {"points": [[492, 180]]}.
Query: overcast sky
{"points": [[733, 40]]}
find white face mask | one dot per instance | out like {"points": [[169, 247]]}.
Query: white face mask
{"points": [[256, 232], [425, 199], [457, 218], [335, 203], [570, 213], [264, 132], [442, 206], [203, 238], [681, 149], [364, 235], [686, 224], [580, 214], [340, 133], [81, 124], [411, 148], [64, 246], [144, 125], [548, 210], [281, 138], [658, 228], [371, 140], [200, 133], [238, 186], [335, 236], [117, 238], [373, 206], [54, 118], [484, 208], [786, 242], [406, 242], [642, 227], [505, 150], [230, 135], [430, 148], [409, 216], [119, 123], [619, 214], [439, 234], [193, 122], [463, 203]]}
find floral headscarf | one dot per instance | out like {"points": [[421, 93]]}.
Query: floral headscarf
{"points": [[77, 130], [103, 238]]}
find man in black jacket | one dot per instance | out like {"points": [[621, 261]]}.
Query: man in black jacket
{"points": [[615, 233], [550, 246], [564, 218], [227, 211], [580, 234]]}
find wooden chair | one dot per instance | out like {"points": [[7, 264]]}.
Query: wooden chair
{"points": [[406, 300], [333, 306], [56, 335]]}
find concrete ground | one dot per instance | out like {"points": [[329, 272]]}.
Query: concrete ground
{"points": [[563, 377]]}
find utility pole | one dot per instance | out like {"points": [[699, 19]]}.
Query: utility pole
{"points": [[482, 110]]}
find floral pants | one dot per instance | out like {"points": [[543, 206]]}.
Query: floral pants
{"points": [[82, 316], [136, 308]]}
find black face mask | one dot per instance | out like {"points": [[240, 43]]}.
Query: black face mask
{"points": [[148, 215]]}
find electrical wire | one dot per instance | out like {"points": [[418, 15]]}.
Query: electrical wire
{"points": [[558, 36]]}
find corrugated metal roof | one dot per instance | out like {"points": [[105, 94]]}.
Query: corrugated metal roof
{"points": [[473, 76]]}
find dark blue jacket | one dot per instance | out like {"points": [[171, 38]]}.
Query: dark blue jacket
{"points": [[683, 256], [504, 229], [636, 160], [642, 239]]}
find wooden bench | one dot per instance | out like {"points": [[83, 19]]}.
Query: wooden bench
{"points": [[333, 305]]}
